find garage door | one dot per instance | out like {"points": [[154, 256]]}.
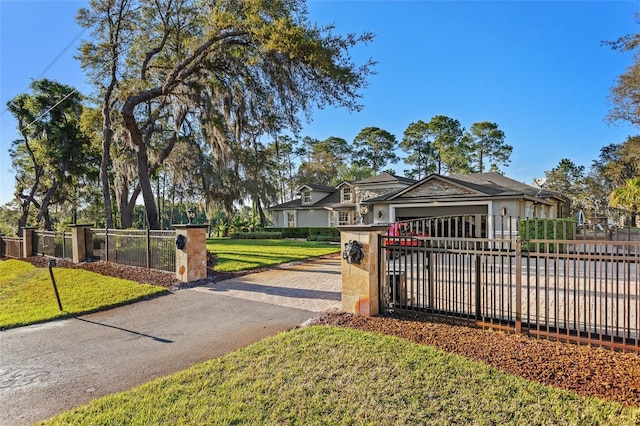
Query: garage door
{"points": [[407, 213]]}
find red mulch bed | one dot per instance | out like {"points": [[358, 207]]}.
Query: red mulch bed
{"points": [[588, 371], [141, 275]]}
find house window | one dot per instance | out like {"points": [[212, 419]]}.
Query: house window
{"points": [[306, 197], [346, 194], [343, 218], [291, 219]]}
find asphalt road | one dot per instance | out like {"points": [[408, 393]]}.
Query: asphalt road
{"points": [[49, 368]]}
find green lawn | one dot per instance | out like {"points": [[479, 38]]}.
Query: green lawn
{"points": [[27, 296], [238, 255], [327, 375]]}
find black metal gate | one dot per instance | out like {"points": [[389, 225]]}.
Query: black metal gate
{"points": [[575, 290], [471, 280]]}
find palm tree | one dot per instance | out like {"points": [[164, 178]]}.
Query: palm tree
{"points": [[627, 197]]}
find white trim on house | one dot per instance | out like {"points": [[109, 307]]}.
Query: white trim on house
{"points": [[287, 216], [343, 193], [393, 208]]}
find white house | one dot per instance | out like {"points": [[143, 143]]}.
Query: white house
{"points": [[387, 199]]}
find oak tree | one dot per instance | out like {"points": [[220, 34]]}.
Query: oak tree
{"points": [[181, 49]]}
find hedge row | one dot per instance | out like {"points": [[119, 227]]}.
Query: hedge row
{"points": [[306, 232], [546, 229], [260, 235], [324, 238]]}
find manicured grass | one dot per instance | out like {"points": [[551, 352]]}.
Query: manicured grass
{"points": [[327, 375], [238, 255], [27, 296]]}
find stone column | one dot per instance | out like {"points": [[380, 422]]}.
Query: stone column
{"points": [[78, 243], [27, 241], [191, 261], [360, 293]]}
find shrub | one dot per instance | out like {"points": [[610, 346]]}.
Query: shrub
{"points": [[306, 232], [546, 229], [259, 235], [324, 238]]}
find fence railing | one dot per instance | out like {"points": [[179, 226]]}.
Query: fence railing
{"points": [[148, 248], [584, 291], [11, 247], [144, 248], [53, 243]]}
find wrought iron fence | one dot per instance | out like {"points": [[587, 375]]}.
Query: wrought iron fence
{"points": [[53, 243], [584, 291], [590, 295], [144, 248], [147, 248]]}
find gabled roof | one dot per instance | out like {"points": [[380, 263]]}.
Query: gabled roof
{"points": [[332, 198], [492, 181], [384, 178], [293, 204], [320, 188], [469, 186], [457, 188]]}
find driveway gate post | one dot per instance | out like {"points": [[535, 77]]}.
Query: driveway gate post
{"points": [[191, 252], [79, 243], [360, 275], [27, 241]]}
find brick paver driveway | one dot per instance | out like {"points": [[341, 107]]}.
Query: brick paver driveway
{"points": [[313, 286]]}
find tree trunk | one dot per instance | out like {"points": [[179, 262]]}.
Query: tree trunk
{"points": [[173, 199], [263, 217], [122, 200], [47, 221], [145, 186], [22, 221], [142, 159], [158, 205], [104, 168], [44, 207]]}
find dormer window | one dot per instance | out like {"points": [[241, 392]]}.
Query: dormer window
{"points": [[306, 197], [346, 194]]}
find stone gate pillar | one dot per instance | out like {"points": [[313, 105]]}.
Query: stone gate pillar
{"points": [[28, 241], [79, 243], [191, 259], [360, 280]]}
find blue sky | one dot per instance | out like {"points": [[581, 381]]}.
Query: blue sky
{"points": [[537, 69]]}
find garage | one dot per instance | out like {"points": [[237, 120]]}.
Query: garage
{"points": [[416, 212]]}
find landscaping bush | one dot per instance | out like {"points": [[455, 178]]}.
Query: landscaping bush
{"points": [[546, 229], [306, 232], [324, 238], [258, 235]]}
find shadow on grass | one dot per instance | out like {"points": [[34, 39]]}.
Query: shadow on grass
{"points": [[67, 315]]}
